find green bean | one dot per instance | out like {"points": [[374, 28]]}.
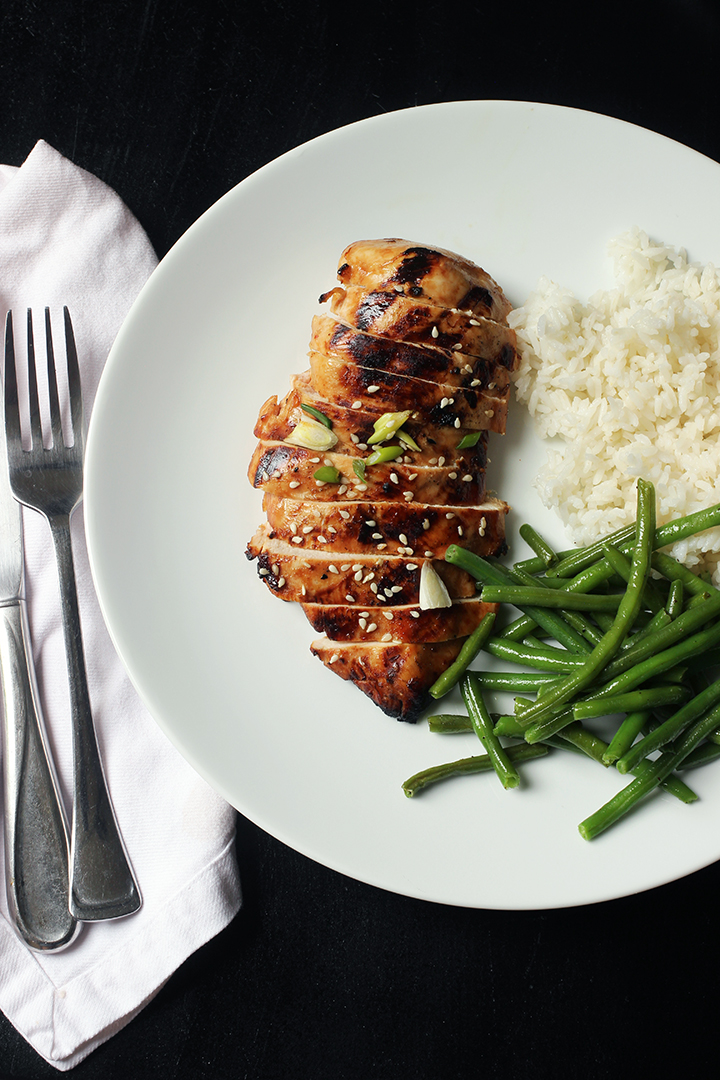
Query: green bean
{"points": [[650, 698], [621, 565], [536, 543], [689, 621], [625, 735], [674, 571], [483, 727], [701, 755], [675, 599], [670, 533], [475, 764], [624, 619], [449, 723], [523, 596], [654, 774], [546, 658], [491, 573], [513, 681], [579, 636], [671, 728], [471, 647]]}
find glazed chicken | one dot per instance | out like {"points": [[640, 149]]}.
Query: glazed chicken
{"points": [[374, 462]]}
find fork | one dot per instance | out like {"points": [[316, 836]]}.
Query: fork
{"points": [[50, 480]]}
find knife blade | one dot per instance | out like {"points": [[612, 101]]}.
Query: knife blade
{"points": [[36, 834]]}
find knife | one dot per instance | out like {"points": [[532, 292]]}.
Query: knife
{"points": [[36, 835]]}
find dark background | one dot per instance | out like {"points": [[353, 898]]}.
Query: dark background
{"points": [[173, 103]]}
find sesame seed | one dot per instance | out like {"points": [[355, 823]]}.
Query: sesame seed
{"points": [[350, 599], [468, 368], [403, 538], [316, 460], [475, 382], [335, 656], [356, 405], [426, 524], [355, 438], [333, 569], [345, 567], [263, 572], [364, 614], [388, 592], [294, 483], [303, 589], [377, 536], [433, 461], [453, 475], [332, 529], [387, 637], [281, 582], [412, 476], [342, 489], [368, 577], [319, 483], [411, 566], [394, 478], [449, 516], [409, 496], [457, 421], [327, 461], [415, 614], [467, 478], [373, 389], [398, 288], [483, 522], [322, 540], [474, 322], [429, 554], [358, 575], [361, 487], [388, 615], [307, 529], [371, 524], [297, 539], [445, 401], [380, 547], [374, 587], [293, 527], [396, 589], [381, 598], [434, 331], [460, 532], [277, 474], [357, 566], [457, 348], [275, 569], [491, 386], [362, 623], [362, 446], [344, 515], [441, 461], [371, 627]]}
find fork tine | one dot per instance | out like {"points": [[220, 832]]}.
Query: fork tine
{"points": [[54, 400], [33, 399], [12, 407], [77, 414]]}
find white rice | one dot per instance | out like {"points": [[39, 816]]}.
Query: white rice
{"points": [[628, 386]]}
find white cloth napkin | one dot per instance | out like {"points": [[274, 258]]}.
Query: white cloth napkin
{"points": [[67, 239]]}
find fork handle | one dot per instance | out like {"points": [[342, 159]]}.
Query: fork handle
{"points": [[102, 884], [36, 840]]}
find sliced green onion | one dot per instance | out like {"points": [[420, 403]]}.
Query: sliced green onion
{"points": [[359, 468], [384, 453], [469, 440], [317, 414], [328, 474]]}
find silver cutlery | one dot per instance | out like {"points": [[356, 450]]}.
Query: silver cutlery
{"points": [[50, 480], [36, 838]]}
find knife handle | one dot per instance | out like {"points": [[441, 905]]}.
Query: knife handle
{"points": [[36, 836]]}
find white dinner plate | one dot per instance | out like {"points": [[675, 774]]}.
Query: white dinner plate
{"points": [[224, 667]]}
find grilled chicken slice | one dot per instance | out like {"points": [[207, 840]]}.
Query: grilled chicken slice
{"points": [[353, 428], [290, 471], [443, 277], [406, 623], [311, 575], [331, 337], [403, 318], [402, 528], [443, 405], [395, 676]]}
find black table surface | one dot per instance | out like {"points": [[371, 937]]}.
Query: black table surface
{"points": [[172, 103]]}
